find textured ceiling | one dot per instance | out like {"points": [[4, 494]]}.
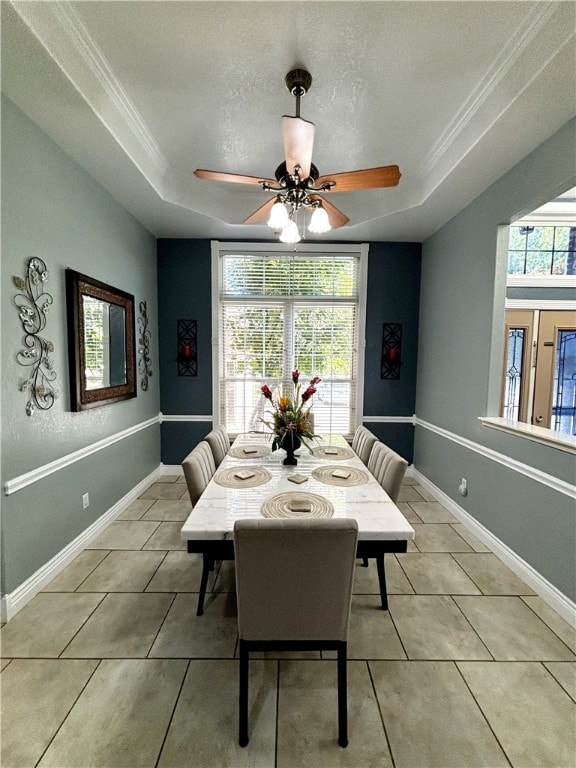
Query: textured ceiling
{"points": [[142, 93]]}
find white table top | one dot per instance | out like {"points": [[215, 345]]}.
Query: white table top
{"points": [[219, 507]]}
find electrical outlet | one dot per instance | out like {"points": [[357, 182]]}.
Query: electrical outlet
{"points": [[85, 500], [463, 487]]}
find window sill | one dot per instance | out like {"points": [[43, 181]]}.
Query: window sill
{"points": [[537, 434]]}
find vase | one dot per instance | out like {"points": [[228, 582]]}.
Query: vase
{"points": [[290, 445]]}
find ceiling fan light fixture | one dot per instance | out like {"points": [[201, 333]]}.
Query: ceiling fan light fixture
{"points": [[290, 233], [319, 221], [279, 218]]}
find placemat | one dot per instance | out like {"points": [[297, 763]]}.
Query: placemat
{"points": [[281, 505], [324, 474], [258, 450], [341, 453], [227, 477]]}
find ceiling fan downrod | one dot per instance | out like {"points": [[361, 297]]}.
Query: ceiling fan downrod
{"points": [[298, 82]]}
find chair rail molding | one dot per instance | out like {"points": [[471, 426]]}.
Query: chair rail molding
{"points": [[557, 484], [28, 478]]}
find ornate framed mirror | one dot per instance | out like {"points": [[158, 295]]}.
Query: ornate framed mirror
{"points": [[100, 342]]}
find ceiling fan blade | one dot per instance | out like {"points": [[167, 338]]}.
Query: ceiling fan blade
{"points": [[262, 214], [369, 178], [234, 178], [298, 144], [335, 216]]}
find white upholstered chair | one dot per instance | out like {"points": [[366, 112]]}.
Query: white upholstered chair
{"points": [[362, 443], [294, 587], [219, 443], [198, 466]]}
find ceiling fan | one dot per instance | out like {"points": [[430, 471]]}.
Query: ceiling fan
{"points": [[298, 183]]}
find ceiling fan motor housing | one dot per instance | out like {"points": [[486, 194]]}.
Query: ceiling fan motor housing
{"points": [[298, 82]]}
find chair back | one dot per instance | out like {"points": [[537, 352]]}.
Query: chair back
{"points": [[377, 455], [198, 468], [219, 444], [294, 578], [362, 443], [393, 471]]}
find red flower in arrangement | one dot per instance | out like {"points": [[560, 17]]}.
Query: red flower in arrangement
{"points": [[289, 416], [266, 391]]}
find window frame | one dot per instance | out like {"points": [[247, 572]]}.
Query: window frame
{"points": [[359, 250]]}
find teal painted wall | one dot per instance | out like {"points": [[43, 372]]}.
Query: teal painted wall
{"points": [[460, 352], [51, 208]]}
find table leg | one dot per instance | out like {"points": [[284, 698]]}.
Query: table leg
{"points": [[382, 580], [207, 566]]}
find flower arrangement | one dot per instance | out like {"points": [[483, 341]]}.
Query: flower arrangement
{"points": [[290, 421]]}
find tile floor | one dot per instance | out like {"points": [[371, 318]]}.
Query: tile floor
{"points": [[109, 665]]}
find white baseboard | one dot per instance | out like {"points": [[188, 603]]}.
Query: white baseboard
{"points": [[547, 591], [11, 603]]}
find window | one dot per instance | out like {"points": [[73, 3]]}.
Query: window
{"points": [[543, 250], [281, 310]]}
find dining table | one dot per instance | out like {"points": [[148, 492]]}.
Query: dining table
{"points": [[329, 480]]}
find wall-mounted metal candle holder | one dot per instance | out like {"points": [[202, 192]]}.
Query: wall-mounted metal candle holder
{"points": [[144, 361], [391, 350], [187, 358], [33, 304]]}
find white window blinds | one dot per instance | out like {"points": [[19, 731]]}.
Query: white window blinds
{"points": [[281, 311]]}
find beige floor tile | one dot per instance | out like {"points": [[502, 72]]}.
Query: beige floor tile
{"points": [[178, 572], [531, 715], [491, 575], [366, 579], [225, 580], [409, 493], [141, 694], [44, 627], [36, 697], [372, 634], [308, 718], [431, 718], [166, 536], [432, 627], [425, 494], [432, 512], [556, 623], [185, 635], [565, 673], [123, 572], [3, 664], [204, 729], [166, 510], [164, 491], [431, 537], [168, 478], [74, 574], [511, 630], [125, 534], [408, 512], [409, 480], [469, 537], [436, 573], [124, 625], [136, 509]]}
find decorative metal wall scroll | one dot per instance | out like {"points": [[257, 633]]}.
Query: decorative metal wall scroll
{"points": [[391, 350], [144, 362], [33, 303], [187, 348]]}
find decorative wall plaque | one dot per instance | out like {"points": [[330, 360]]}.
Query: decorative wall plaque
{"points": [[144, 361], [391, 350], [187, 358]]}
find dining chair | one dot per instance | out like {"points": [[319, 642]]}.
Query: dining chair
{"points": [[199, 466], [362, 443], [219, 443], [294, 589], [389, 468]]}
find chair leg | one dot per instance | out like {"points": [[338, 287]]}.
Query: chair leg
{"points": [[382, 580], [207, 566], [342, 695], [243, 698]]}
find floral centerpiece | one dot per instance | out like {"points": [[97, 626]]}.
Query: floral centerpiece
{"points": [[290, 415]]}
